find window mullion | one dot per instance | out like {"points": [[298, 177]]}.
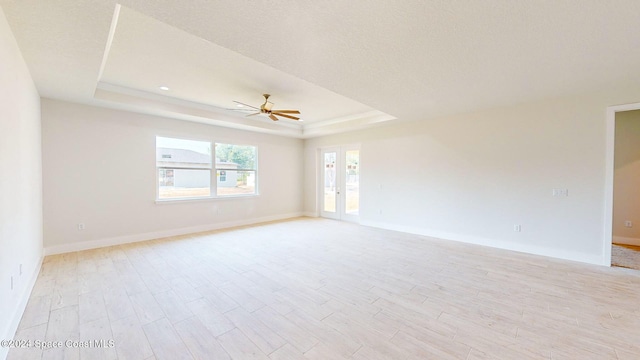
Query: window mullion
{"points": [[214, 171]]}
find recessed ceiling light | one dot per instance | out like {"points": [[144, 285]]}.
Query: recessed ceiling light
{"points": [[301, 120], [240, 105], [164, 88]]}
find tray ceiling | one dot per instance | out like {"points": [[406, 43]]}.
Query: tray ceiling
{"points": [[345, 65]]}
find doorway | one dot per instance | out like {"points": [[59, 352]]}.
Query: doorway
{"points": [[609, 225], [626, 198], [340, 183]]}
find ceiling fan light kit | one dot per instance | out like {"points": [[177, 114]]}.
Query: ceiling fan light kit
{"points": [[266, 108]]}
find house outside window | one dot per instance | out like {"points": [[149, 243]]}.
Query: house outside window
{"points": [[184, 168]]}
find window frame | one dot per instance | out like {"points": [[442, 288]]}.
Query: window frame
{"points": [[256, 191], [213, 170], [158, 168]]}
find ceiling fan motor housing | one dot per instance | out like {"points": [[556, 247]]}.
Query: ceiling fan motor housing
{"points": [[266, 108]]}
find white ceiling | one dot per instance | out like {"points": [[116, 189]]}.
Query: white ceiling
{"points": [[344, 64]]}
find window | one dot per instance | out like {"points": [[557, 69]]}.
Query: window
{"points": [[183, 168], [236, 169]]}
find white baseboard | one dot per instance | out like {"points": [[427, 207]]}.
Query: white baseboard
{"points": [[311, 214], [126, 239], [19, 311], [524, 248], [626, 240]]}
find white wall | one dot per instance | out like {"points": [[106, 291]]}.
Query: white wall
{"points": [[99, 169], [626, 186], [472, 177], [20, 183]]}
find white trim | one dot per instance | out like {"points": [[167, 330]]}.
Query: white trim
{"points": [[608, 185], [19, 311], [318, 191], [126, 239], [172, 108], [626, 240], [524, 248], [311, 214], [610, 134], [112, 32], [204, 198], [340, 173], [370, 117], [344, 215]]}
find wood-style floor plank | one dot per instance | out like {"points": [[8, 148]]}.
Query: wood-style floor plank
{"points": [[129, 339], [201, 343], [240, 347], [322, 289], [164, 340]]}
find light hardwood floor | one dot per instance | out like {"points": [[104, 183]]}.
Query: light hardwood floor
{"points": [[322, 289]]}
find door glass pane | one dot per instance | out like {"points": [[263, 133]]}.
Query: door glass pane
{"points": [[352, 177], [330, 182]]}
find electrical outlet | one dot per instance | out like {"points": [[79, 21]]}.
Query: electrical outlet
{"points": [[560, 192], [628, 223], [80, 226], [20, 269], [517, 228], [11, 282]]}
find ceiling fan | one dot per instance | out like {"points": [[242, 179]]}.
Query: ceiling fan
{"points": [[266, 108]]}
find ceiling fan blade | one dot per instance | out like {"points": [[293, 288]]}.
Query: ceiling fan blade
{"points": [[243, 104], [287, 111], [252, 114], [273, 117], [284, 115]]}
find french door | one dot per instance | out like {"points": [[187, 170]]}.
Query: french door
{"points": [[340, 183]]}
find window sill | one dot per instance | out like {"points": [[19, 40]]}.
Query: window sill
{"points": [[204, 199]]}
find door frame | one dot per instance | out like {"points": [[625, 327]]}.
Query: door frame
{"points": [[609, 172], [341, 151]]}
